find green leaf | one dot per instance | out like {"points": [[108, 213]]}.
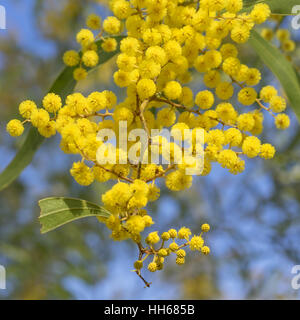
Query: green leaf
{"points": [[56, 212], [22, 159], [277, 6], [281, 67], [63, 86]]}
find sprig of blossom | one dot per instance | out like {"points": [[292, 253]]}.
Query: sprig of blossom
{"points": [[164, 42]]}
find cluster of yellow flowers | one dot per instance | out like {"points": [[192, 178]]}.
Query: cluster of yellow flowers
{"points": [[157, 245], [165, 41]]}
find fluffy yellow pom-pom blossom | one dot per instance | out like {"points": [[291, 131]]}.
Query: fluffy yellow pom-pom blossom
{"points": [[163, 46]]}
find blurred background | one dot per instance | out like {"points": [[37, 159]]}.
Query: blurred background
{"points": [[255, 217]]}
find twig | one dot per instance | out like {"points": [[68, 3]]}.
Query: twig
{"points": [[115, 173], [162, 173], [241, 85], [146, 283], [142, 117], [180, 106]]}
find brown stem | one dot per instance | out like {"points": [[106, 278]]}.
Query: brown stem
{"points": [[180, 106], [140, 111], [142, 117], [161, 174], [146, 283], [242, 86], [117, 174], [96, 114]]}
